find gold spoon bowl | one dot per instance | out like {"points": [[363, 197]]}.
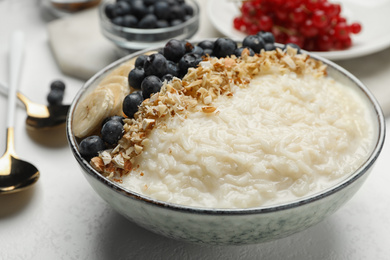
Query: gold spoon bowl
{"points": [[15, 174]]}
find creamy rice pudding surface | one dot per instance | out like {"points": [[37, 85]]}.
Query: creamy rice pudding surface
{"points": [[239, 133]]}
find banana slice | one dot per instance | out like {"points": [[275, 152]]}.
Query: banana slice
{"points": [[115, 79], [120, 91], [92, 110], [122, 70]]}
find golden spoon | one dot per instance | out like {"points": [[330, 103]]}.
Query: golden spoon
{"points": [[15, 174], [40, 116]]}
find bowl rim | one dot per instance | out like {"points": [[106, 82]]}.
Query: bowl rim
{"points": [[359, 172], [140, 31]]}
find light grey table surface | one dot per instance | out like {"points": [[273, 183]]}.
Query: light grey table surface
{"points": [[62, 217]]}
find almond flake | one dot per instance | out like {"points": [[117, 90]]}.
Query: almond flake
{"points": [[148, 124], [138, 149], [208, 109], [106, 157], [118, 161]]}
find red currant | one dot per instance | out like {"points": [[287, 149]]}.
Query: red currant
{"points": [[311, 24], [308, 29], [324, 43], [265, 23], [238, 23], [341, 31], [355, 28], [298, 16], [295, 39], [320, 20]]}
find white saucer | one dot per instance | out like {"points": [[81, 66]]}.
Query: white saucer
{"points": [[373, 15]]}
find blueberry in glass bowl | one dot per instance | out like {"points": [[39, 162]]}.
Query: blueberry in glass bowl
{"points": [[140, 24]]}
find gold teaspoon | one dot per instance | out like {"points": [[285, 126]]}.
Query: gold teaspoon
{"points": [[15, 174]]}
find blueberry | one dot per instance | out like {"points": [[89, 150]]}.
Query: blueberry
{"points": [[148, 21], [140, 61], [122, 8], [167, 77], [174, 50], [173, 69], [155, 64], [188, 9], [161, 10], [115, 118], [176, 22], [136, 76], [269, 47], [91, 146], [206, 44], [150, 9], [57, 84], [119, 20], [110, 11], [187, 17], [224, 47], [112, 132], [177, 12], [238, 51], [139, 9], [55, 97], [254, 42], [162, 24], [189, 60], [208, 52], [293, 45], [131, 103], [197, 50], [150, 2], [130, 21], [150, 85], [268, 37]]}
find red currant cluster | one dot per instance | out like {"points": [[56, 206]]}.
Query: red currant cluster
{"points": [[314, 25]]}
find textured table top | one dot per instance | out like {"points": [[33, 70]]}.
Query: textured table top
{"points": [[63, 218]]}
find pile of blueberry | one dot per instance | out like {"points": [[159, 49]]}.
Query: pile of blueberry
{"points": [[56, 94], [110, 133], [148, 14], [173, 60]]}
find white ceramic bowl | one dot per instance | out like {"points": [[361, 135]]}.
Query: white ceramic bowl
{"points": [[134, 39], [230, 226]]}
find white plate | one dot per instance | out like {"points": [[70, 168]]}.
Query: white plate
{"points": [[374, 15]]}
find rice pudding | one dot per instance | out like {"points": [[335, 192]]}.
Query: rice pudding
{"points": [[242, 132]]}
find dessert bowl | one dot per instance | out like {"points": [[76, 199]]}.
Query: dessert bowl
{"points": [[230, 226], [132, 39]]}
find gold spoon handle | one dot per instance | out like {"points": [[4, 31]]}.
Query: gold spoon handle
{"points": [[10, 145]]}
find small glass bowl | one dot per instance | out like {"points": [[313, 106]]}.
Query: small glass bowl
{"points": [[134, 39]]}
